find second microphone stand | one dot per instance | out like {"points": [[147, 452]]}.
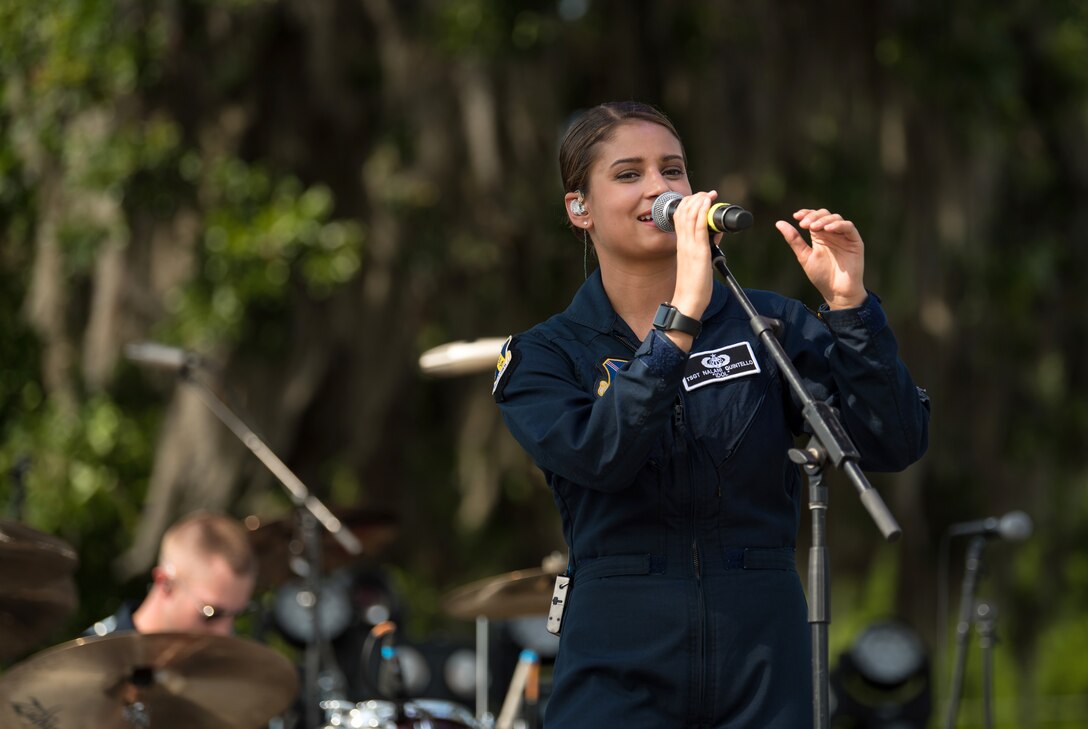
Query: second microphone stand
{"points": [[829, 442], [981, 614]]}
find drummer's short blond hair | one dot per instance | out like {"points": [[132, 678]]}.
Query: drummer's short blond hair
{"points": [[206, 534]]}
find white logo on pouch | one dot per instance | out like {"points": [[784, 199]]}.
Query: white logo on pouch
{"points": [[724, 363]]}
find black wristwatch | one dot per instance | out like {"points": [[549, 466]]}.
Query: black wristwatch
{"points": [[668, 317]]}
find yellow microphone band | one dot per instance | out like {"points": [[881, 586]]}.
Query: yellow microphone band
{"points": [[710, 216]]}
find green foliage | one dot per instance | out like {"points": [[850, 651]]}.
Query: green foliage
{"points": [[261, 235], [73, 115], [493, 29], [86, 477], [857, 604]]}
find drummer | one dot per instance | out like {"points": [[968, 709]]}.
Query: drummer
{"points": [[204, 579]]}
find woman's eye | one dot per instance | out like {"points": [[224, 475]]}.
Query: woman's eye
{"points": [[629, 175], [673, 172]]}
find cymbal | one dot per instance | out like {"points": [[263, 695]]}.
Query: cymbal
{"points": [[27, 554], [512, 595], [29, 614], [37, 590], [463, 357], [277, 543], [171, 679]]}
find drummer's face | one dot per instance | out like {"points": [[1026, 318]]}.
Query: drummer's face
{"points": [[206, 597]]}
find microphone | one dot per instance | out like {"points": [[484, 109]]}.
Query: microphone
{"points": [[161, 355], [721, 218], [1014, 527]]}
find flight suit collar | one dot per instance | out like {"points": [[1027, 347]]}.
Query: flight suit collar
{"points": [[590, 306]]}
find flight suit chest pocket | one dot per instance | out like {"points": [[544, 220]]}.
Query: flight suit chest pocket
{"points": [[721, 413]]}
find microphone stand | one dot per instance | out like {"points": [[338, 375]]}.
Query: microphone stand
{"points": [[312, 512], [829, 442], [985, 621], [972, 568]]}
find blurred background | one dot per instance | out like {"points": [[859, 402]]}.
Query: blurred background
{"points": [[312, 193]]}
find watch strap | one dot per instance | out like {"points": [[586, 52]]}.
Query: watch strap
{"points": [[668, 318]]}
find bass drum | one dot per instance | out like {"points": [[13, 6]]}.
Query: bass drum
{"points": [[415, 714]]}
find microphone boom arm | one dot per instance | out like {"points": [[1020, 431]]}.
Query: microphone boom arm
{"points": [[820, 416]]}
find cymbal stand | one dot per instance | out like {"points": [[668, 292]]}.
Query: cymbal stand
{"points": [[312, 512], [136, 714], [482, 714], [325, 680], [135, 711]]}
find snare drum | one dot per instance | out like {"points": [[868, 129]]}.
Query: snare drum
{"points": [[417, 714]]}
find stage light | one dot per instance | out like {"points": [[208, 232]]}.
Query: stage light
{"points": [[882, 681]]}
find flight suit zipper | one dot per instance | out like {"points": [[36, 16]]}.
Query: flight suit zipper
{"points": [[680, 428], [700, 627]]}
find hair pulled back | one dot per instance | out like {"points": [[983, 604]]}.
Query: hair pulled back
{"points": [[577, 152]]}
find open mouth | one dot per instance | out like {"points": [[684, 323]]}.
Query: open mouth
{"points": [[646, 218]]}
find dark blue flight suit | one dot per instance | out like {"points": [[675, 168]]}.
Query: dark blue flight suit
{"points": [[680, 506]]}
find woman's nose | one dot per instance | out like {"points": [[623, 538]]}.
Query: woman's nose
{"points": [[656, 184]]}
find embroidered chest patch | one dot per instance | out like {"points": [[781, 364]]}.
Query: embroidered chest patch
{"points": [[716, 365], [610, 366]]}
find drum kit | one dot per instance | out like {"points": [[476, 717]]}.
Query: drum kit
{"points": [[168, 680]]}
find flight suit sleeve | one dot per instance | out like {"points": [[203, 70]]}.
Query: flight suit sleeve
{"points": [[850, 358], [554, 412]]}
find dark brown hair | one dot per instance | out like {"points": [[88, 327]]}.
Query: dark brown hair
{"points": [[576, 153]]}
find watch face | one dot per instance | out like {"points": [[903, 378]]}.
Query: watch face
{"points": [[669, 318], [664, 316]]}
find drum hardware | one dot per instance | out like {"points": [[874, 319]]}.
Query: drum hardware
{"points": [[281, 552], [311, 607], [414, 713], [37, 589], [401, 672], [323, 678], [517, 594], [293, 602], [463, 357], [151, 681]]}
